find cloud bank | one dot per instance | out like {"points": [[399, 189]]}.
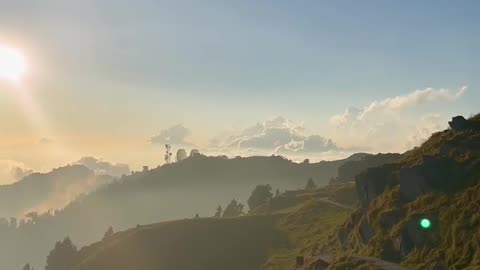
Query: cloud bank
{"points": [[12, 171], [275, 136], [101, 167], [396, 104], [394, 124]]}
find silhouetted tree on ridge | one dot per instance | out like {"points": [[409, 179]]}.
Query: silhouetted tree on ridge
{"points": [[63, 255], [219, 212], [108, 233], [310, 184], [233, 209], [260, 195]]}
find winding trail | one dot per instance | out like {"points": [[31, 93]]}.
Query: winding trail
{"points": [[326, 200]]}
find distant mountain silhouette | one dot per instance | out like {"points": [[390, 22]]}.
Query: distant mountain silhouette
{"points": [[43, 191]]}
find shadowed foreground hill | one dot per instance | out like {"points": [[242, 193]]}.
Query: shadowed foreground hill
{"points": [[235, 244]]}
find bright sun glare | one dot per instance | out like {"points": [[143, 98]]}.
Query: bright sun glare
{"points": [[12, 64]]}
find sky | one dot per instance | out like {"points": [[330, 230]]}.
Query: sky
{"points": [[118, 79]]}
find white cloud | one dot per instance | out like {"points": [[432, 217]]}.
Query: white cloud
{"points": [[393, 124], [173, 135], [101, 167], [396, 104], [427, 125], [12, 171], [277, 135]]}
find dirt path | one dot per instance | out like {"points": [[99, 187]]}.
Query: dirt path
{"points": [[326, 200]]}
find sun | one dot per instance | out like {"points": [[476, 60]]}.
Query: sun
{"points": [[13, 64]]}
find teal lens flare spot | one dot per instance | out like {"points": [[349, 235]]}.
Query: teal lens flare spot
{"points": [[425, 223]]}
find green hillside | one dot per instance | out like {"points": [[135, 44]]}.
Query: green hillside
{"points": [[269, 238], [438, 181]]}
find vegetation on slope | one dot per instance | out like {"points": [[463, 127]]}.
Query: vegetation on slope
{"points": [[439, 181], [268, 238]]}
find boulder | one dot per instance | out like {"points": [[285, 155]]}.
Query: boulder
{"points": [[459, 123]]}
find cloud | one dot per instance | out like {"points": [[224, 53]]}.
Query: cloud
{"points": [[12, 171], [19, 172], [277, 135], [173, 135], [101, 167], [393, 124], [396, 104], [427, 125]]}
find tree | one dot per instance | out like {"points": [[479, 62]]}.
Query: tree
{"points": [[310, 184], [233, 209], [196, 216], [277, 192], [27, 267], [108, 233], [181, 155], [62, 256], [219, 212], [260, 195]]}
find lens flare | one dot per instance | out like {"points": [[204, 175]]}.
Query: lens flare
{"points": [[425, 223]]}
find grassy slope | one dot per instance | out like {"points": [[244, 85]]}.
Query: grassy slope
{"points": [[269, 238], [453, 242], [208, 243]]}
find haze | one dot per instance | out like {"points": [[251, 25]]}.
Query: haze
{"points": [[312, 79]]}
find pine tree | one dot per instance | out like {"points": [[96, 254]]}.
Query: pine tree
{"points": [[233, 209], [219, 212], [108, 233], [260, 195], [62, 256], [310, 184]]}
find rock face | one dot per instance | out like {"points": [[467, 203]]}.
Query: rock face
{"points": [[459, 123], [373, 182], [350, 169], [432, 174]]}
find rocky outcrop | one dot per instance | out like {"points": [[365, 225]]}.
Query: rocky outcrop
{"points": [[350, 169], [373, 182], [431, 174], [459, 123]]}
